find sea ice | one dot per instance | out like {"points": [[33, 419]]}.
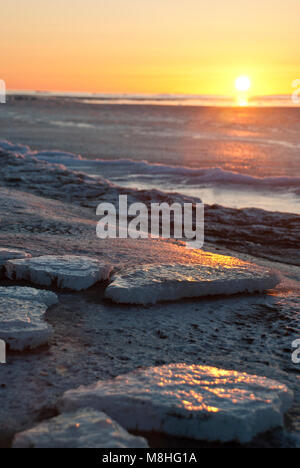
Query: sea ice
{"points": [[277, 234], [69, 271], [152, 283], [8, 254], [22, 323], [84, 429], [199, 402], [29, 294]]}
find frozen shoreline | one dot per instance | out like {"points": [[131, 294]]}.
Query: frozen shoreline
{"points": [[52, 212], [271, 235], [94, 339]]}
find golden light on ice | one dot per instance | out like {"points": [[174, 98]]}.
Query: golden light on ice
{"points": [[243, 83]]}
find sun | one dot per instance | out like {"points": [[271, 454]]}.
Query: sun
{"points": [[243, 83]]}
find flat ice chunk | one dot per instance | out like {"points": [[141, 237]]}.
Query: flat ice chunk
{"points": [[8, 254], [84, 429], [69, 271], [199, 402], [29, 294], [22, 323], [168, 282]]}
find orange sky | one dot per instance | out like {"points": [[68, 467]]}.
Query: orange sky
{"points": [[150, 46]]}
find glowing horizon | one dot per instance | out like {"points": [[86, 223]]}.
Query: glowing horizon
{"points": [[162, 47]]}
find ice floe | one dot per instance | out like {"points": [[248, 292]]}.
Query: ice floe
{"points": [[199, 402], [29, 294], [166, 282], [8, 254], [22, 323], [84, 429], [69, 271]]}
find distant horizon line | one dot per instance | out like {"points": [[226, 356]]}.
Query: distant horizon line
{"points": [[165, 99], [133, 95]]}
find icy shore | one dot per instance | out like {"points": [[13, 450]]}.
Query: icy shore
{"points": [[274, 235], [93, 339]]}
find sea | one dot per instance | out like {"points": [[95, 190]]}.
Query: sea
{"points": [[202, 146]]}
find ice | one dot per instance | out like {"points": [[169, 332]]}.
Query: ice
{"points": [[21, 167], [194, 176], [8, 254], [165, 282], [32, 172], [84, 429], [277, 234], [69, 271], [199, 402], [22, 323], [29, 294]]}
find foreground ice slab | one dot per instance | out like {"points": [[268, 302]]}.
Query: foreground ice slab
{"points": [[8, 254], [152, 283], [84, 429], [199, 402], [22, 323], [29, 294], [69, 271]]}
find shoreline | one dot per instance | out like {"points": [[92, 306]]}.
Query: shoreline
{"points": [[96, 339]]}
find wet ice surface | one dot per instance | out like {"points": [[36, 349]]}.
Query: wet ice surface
{"points": [[29, 294], [22, 323], [197, 402], [83, 429], [169, 282], [69, 271]]}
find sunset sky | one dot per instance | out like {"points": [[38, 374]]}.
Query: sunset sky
{"points": [[150, 46]]}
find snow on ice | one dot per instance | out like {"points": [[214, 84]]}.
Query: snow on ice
{"points": [[84, 429], [152, 283], [69, 271], [199, 402], [22, 323], [29, 294]]}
